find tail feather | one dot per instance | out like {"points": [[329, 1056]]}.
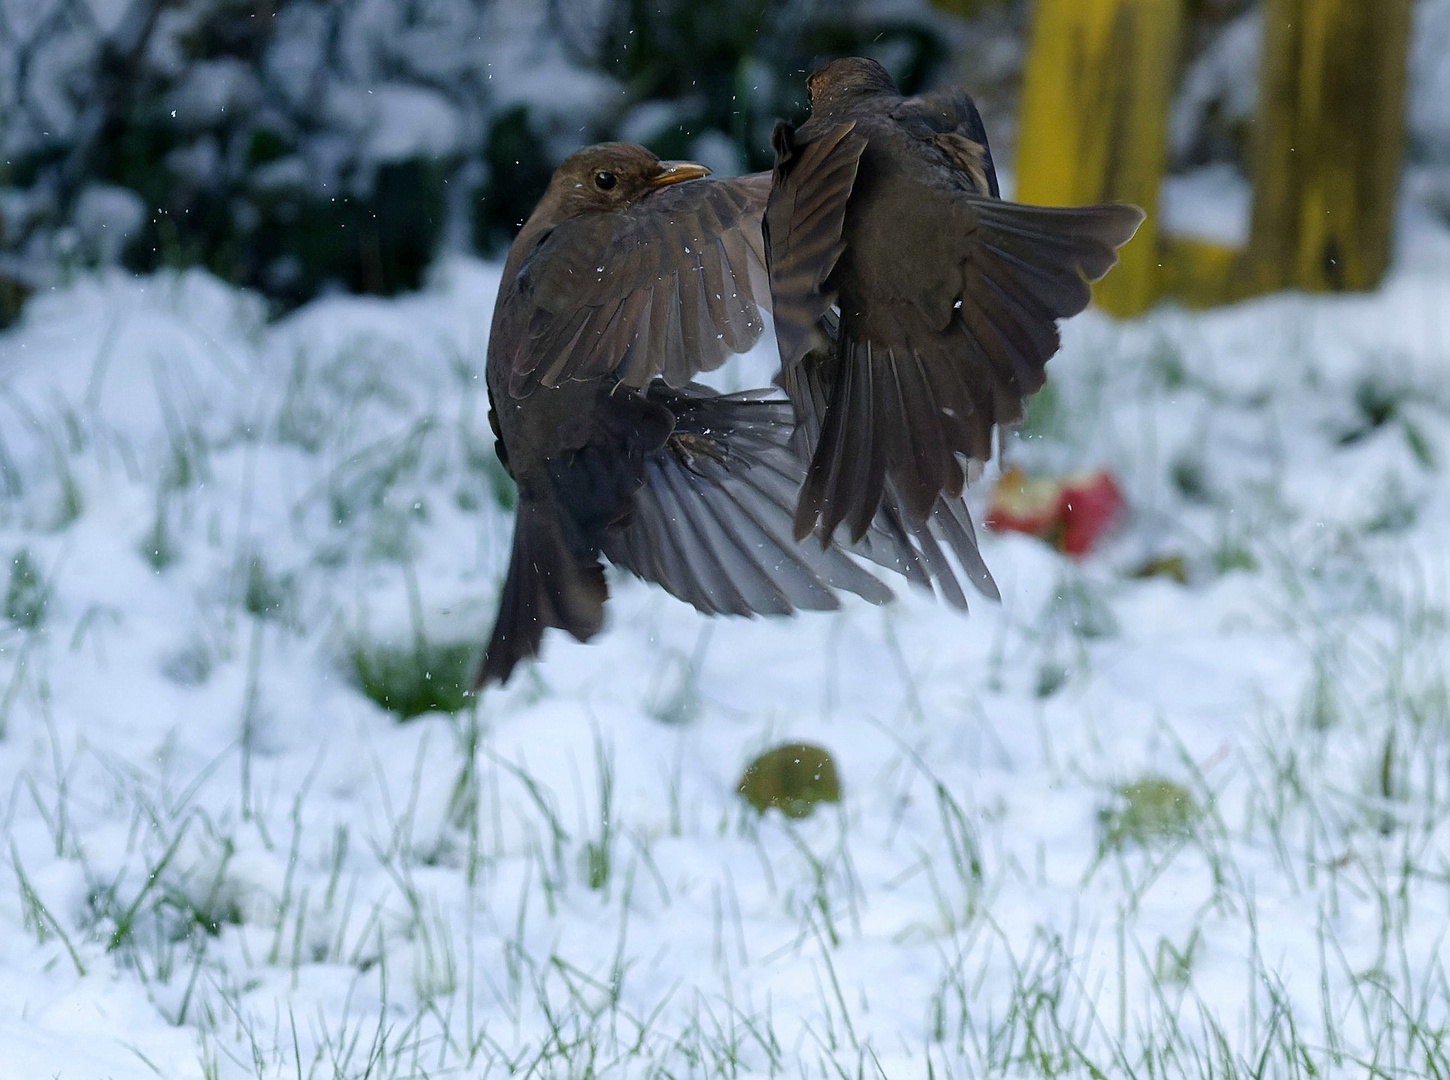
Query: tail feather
{"points": [[565, 511], [917, 548], [895, 538], [928, 364], [547, 585]]}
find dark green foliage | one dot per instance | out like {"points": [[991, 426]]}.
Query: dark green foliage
{"points": [[1230, 557], [25, 596], [1189, 479], [13, 294], [291, 242], [1419, 445], [236, 191], [731, 68], [793, 778], [266, 595], [1377, 402], [156, 546], [1380, 404], [970, 8], [276, 190], [518, 171], [410, 680], [1050, 679], [501, 484], [736, 65]]}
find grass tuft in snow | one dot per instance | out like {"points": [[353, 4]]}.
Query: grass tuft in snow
{"points": [[501, 487], [1377, 402], [1147, 812], [1044, 417], [37, 917], [156, 547], [26, 595], [1230, 556], [599, 852], [267, 595], [416, 678], [1189, 476]]}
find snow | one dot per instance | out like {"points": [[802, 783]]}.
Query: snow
{"points": [[209, 88], [1213, 113], [106, 216], [1428, 107], [1213, 202], [1225, 77], [259, 872]]}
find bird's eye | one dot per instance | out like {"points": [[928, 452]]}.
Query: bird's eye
{"points": [[605, 180]]}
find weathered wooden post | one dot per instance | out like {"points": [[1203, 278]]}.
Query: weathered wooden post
{"points": [[1327, 150], [1099, 82]]}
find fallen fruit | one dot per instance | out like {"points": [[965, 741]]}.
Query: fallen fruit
{"points": [[1089, 507], [1024, 504], [1071, 513], [792, 778]]}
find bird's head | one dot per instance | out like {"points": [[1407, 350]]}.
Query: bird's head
{"points": [[843, 79], [610, 176]]}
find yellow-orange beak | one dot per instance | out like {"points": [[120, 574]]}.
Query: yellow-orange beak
{"points": [[675, 172]]}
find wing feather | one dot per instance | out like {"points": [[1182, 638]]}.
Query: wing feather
{"points": [[665, 287], [952, 316], [712, 521]]}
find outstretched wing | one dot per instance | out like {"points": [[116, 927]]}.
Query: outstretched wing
{"points": [[667, 287], [809, 190], [712, 521]]}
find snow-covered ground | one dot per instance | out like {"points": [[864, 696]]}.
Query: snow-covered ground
{"points": [[1118, 823]]}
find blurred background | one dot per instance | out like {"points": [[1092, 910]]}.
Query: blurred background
{"points": [[297, 147]]}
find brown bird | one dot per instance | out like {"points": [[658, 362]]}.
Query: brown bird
{"points": [[624, 283], [885, 208]]}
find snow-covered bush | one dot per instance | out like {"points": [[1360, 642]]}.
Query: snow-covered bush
{"points": [[297, 145], [283, 144]]}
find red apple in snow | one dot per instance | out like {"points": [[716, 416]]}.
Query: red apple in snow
{"points": [[1071, 513], [1088, 507]]}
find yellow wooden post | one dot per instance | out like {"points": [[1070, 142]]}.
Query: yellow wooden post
{"points": [[1327, 151], [1094, 120]]}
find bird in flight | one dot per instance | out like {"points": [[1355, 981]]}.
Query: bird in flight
{"points": [[915, 310], [630, 277]]}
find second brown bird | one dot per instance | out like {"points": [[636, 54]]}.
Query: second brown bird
{"points": [[884, 207]]}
